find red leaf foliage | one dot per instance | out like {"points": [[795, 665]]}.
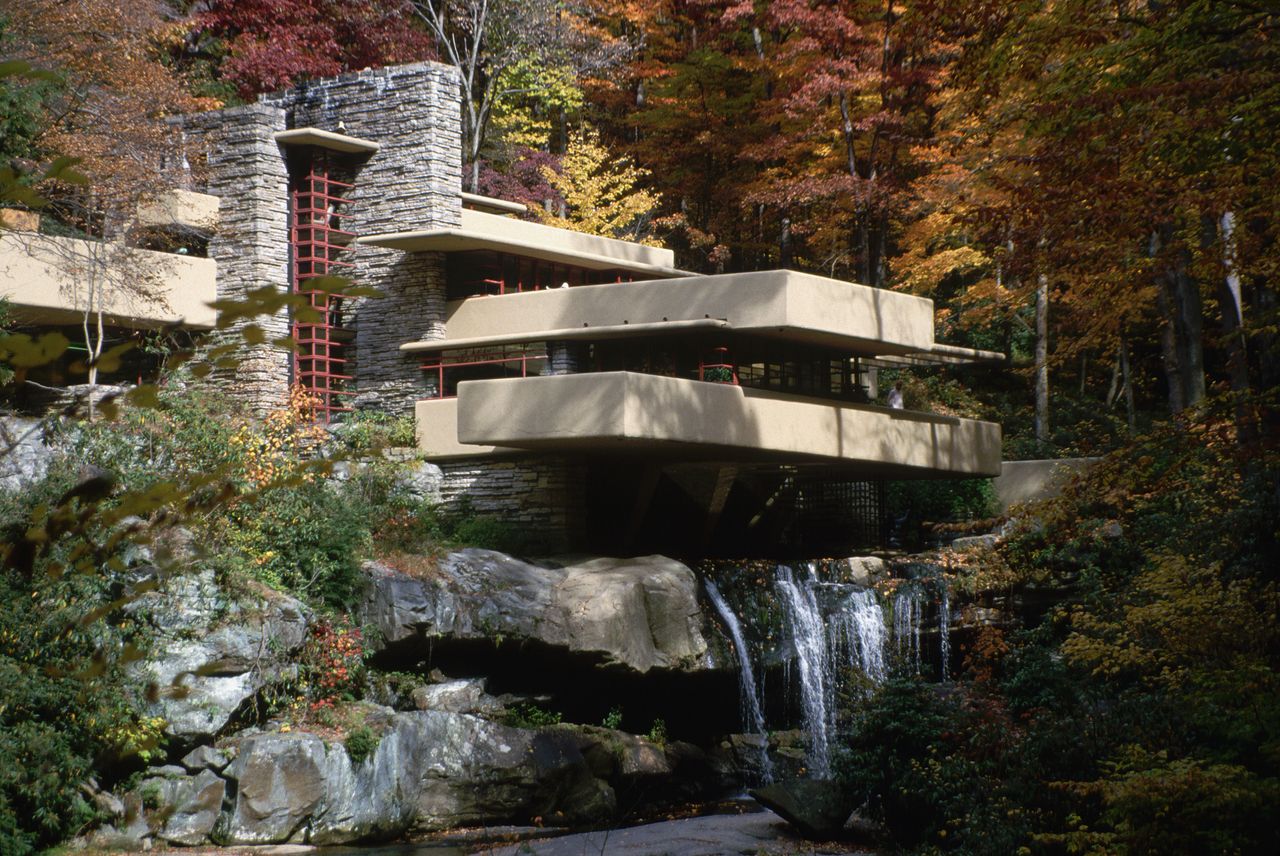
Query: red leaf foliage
{"points": [[272, 44]]}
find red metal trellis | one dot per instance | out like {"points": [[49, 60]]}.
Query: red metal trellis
{"points": [[319, 207]]}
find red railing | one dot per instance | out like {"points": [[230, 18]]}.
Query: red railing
{"points": [[514, 359]]}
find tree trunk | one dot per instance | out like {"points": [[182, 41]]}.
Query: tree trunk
{"points": [[1182, 337], [1130, 414], [1169, 348], [1042, 359], [864, 251], [1191, 315], [1230, 301], [882, 254], [1113, 389]]}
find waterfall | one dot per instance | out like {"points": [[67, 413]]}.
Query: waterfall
{"points": [[858, 634], [829, 629], [809, 638], [906, 625], [752, 710], [944, 628]]}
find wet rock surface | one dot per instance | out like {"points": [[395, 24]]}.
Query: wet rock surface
{"points": [[817, 809], [431, 770], [742, 831], [639, 613]]}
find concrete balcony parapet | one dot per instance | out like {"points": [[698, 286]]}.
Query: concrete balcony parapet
{"points": [[673, 418], [779, 304], [52, 280]]}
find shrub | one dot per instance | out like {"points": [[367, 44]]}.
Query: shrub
{"points": [[361, 743], [370, 430], [65, 711], [529, 715], [40, 775], [306, 539], [927, 764], [333, 660]]}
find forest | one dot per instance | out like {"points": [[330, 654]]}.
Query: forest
{"points": [[1087, 187]]}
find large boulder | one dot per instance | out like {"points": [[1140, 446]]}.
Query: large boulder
{"points": [[431, 770], [26, 457], [460, 696], [641, 613], [476, 772], [193, 806], [819, 809], [280, 781], [211, 654]]}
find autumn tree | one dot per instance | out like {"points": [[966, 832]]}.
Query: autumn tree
{"points": [[602, 194], [263, 45], [508, 49], [106, 98], [1124, 141], [684, 106]]}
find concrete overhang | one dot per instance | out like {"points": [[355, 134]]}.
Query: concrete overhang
{"points": [[492, 204], [783, 305], [46, 280], [183, 209], [326, 140], [676, 419], [483, 231], [943, 355], [618, 331]]}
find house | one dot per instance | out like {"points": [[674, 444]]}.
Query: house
{"points": [[582, 386]]}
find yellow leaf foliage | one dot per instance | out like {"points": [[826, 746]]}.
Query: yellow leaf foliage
{"points": [[602, 193]]}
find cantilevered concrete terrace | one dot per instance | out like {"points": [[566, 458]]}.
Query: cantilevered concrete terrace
{"points": [[674, 418], [666, 415], [481, 230], [783, 305]]}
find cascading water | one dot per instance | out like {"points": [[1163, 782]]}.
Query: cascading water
{"points": [[752, 711], [858, 634], [829, 631], [907, 607], [944, 627], [808, 638], [832, 627]]}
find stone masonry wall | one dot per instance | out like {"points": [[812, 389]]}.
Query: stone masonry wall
{"points": [[412, 182], [243, 166], [544, 495]]}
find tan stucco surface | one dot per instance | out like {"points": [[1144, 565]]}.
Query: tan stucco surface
{"points": [[623, 411], [780, 304], [523, 231], [47, 281], [326, 140], [481, 230], [182, 208], [437, 431]]}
